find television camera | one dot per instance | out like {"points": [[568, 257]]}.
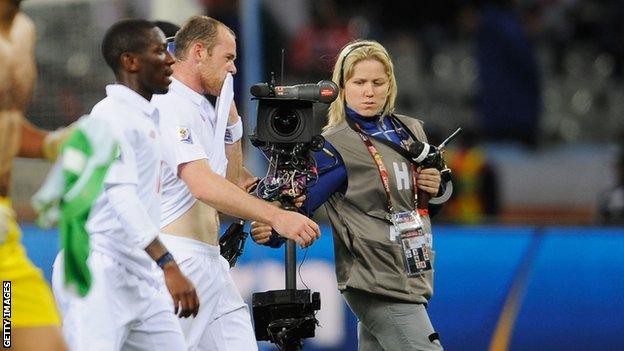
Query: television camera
{"points": [[288, 130]]}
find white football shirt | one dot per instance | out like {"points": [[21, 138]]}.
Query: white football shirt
{"points": [[190, 131], [133, 121]]}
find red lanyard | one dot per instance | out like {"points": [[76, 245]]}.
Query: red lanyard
{"points": [[383, 172]]}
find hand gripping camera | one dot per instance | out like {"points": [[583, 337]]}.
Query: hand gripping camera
{"points": [[429, 156]]}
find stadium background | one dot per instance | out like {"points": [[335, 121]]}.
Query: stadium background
{"points": [[542, 272]]}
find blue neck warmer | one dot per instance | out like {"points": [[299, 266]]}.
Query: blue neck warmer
{"points": [[377, 125]]}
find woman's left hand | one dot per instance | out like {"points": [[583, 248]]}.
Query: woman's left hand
{"points": [[429, 180]]}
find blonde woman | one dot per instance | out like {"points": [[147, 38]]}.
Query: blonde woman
{"points": [[382, 239]]}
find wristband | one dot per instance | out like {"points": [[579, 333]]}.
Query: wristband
{"points": [[234, 132], [164, 259]]}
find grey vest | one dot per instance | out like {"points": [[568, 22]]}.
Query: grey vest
{"points": [[366, 259]]}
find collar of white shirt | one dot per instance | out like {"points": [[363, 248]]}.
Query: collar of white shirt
{"points": [[132, 98], [200, 100]]}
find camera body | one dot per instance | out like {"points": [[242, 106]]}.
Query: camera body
{"points": [[289, 121], [292, 114]]}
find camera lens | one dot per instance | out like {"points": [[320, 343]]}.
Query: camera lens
{"points": [[285, 122]]}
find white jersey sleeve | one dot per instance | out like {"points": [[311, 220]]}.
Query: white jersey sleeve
{"points": [[180, 139], [132, 214]]}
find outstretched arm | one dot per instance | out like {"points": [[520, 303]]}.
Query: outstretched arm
{"points": [[39, 143], [218, 192], [32, 141]]}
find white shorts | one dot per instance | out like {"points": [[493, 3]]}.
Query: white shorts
{"points": [[120, 312], [223, 322]]}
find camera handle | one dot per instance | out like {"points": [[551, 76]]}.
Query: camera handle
{"points": [[434, 159], [423, 199], [290, 261], [290, 267]]}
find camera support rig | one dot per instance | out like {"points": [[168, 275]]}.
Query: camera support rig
{"points": [[288, 129]]}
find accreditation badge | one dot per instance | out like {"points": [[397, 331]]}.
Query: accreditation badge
{"points": [[415, 243]]}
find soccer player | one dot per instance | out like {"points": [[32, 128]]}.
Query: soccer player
{"points": [[124, 308], [196, 138]]}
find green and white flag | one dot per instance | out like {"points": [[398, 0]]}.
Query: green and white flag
{"points": [[70, 190]]}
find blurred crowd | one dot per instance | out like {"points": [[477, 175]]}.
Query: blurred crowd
{"points": [[546, 68], [530, 73]]}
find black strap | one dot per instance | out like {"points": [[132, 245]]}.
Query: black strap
{"points": [[387, 142], [398, 121], [383, 171], [433, 337]]}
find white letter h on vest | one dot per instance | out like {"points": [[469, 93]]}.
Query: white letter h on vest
{"points": [[402, 176]]}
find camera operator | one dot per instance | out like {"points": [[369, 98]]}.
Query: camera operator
{"points": [[195, 136], [370, 193]]}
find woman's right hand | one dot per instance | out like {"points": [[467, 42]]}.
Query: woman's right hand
{"points": [[260, 232]]}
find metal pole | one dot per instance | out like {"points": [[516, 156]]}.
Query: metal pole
{"points": [[290, 257], [290, 262]]}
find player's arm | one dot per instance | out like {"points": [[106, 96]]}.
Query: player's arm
{"points": [[31, 145], [39, 143], [32, 138], [235, 171], [189, 160], [182, 291], [120, 187], [219, 193], [135, 220]]}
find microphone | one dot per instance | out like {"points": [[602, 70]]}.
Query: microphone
{"points": [[429, 155], [260, 90], [324, 91]]}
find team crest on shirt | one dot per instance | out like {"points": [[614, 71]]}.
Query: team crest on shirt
{"points": [[184, 134]]}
